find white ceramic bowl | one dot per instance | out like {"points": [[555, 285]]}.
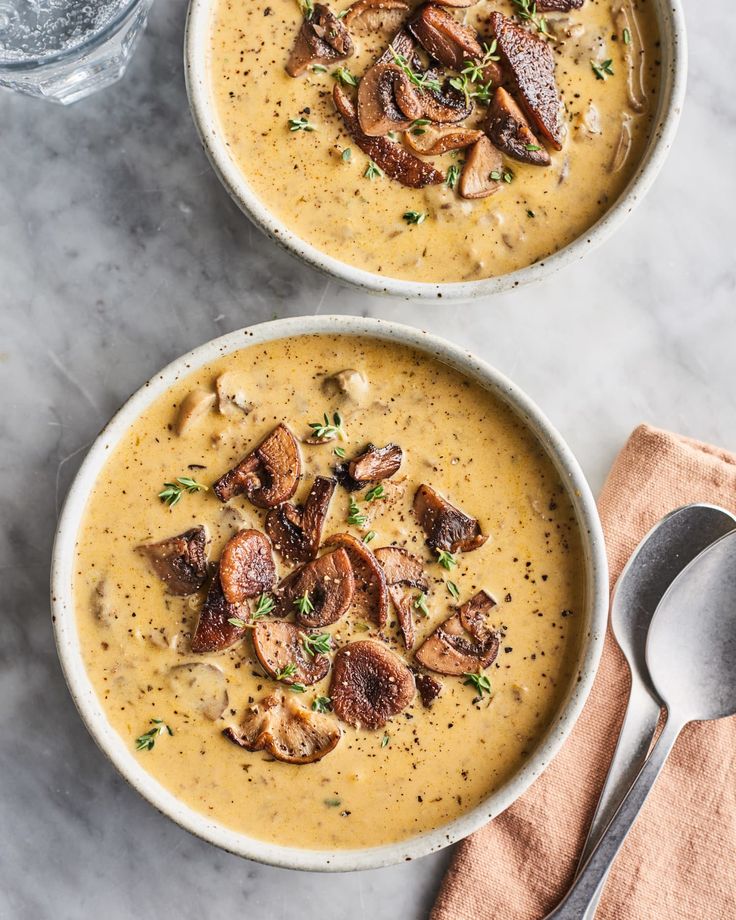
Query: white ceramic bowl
{"points": [[671, 23], [120, 751]]}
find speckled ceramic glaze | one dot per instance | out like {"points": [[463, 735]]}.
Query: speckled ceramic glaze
{"points": [[121, 753], [671, 23]]}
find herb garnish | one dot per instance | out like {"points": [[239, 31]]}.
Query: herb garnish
{"points": [[307, 7], [343, 75], [503, 175], [317, 645], [414, 217], [301, 124], [420, 604], [481, 682], [333, 803], [445, 559], [453, 589], [376, 492], [419, 126], [322, 704], [298, 688], [527, 10], [347, 155], [318, 68], [325, 431], [355, 518], [602, 70], [288, 671], [237, 622], [453, 174], [148, 739], [627, 37], [264, 606], [173, 491], [339, 452], [373, 172], [532, 147], [422, 80], [385, 740], [303, 604], [371, 535]]}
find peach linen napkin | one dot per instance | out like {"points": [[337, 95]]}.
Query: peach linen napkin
{"points": [[679, 860]]}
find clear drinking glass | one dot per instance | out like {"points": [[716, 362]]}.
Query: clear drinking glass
{"points": [[63, 50]]}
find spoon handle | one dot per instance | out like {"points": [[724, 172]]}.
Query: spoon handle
{"points": [[634, 741], [584, 888]]}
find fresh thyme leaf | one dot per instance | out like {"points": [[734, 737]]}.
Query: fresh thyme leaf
{"points": [[532, 147], [317, 645], [339, 452], [445, 559], [419, 126], [237, 622], [418, 79], [355, 518], [453, 589], [376, 492], [420, 604], [371, 535], [298, 688], [343, 75], [328, 431], [322, 704], [333, 803], [502, 175], [307, 7], [385, 740], [318, 68], [264, 606], [602, 69], [480, 681], [453, 174], [301, 124], [147, 740], [527, 10], [288, 671], [303, 604], [627, 37], [414, 217], [373, 172], [172, 491], [347, 155]]}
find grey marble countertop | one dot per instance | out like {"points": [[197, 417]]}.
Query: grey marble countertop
{"points": [[118, 251]]}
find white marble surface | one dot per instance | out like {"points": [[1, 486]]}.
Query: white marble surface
{"points": [[119, 251]]}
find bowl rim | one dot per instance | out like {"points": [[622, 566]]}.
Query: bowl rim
{"points": [[122, 755], [671, 97]]}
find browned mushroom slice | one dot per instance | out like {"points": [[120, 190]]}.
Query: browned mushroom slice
{"points": [[530, 62], [247, 568], [219, 622], [481, 175], [447, 528], [280, 649], [433, 142], [456, 4], [322, 39], [180, 562], [320, 592], [558, 6], [366, 17], [429, 688], [446, 106], [449, 650], [370, 684], [403, 571], [296, 531], [199, 687], [284, 728], [473, 615], [392, 158], [386, 100], [376, 463], [447, 40], [268, 475], [509, 130], [370, 600]]}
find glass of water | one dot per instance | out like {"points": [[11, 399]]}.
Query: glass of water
{"points": [[63, 50]]}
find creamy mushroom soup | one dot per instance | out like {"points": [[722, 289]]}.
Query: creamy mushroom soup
{"points": [[483, 139], [330, 592]]}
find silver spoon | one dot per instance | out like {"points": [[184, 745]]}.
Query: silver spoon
{"points": [[693, 673], [663, 553]]}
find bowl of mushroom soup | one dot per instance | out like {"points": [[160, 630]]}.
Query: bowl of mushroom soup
{"points": [[320, 616], [412, 148]]}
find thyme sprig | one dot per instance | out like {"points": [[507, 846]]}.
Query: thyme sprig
{"points": [[527, 10], [326, 430], [322, 704], [172, 491], [422, 80], [317, 645], [481, 682], [446, 560], [147, 740], [602, 69], [301, 124], [304, 604]]}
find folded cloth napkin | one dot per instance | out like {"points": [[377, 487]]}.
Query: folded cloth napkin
{"points": [[679, 861]]}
